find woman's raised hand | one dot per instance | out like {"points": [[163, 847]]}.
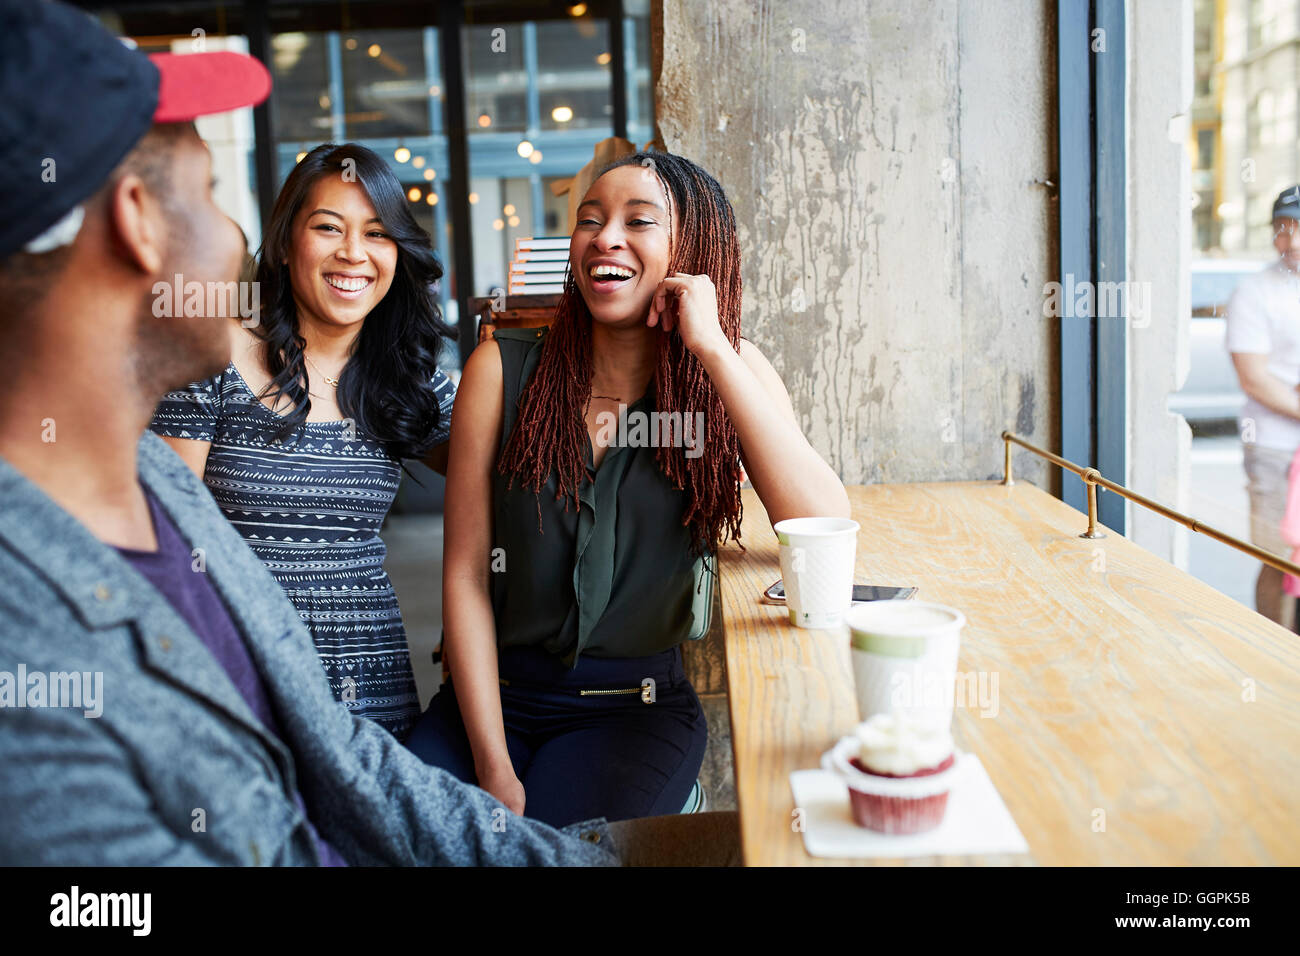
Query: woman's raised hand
{"points": [[688, 304]]}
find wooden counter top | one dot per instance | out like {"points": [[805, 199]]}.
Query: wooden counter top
{"points": [[1130, 695]]}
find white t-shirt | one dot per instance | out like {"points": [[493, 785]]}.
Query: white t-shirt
{"points": [[1264, 317]]}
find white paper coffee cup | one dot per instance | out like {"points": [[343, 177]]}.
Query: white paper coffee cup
{"points": [[905, 658], [817, 557]]}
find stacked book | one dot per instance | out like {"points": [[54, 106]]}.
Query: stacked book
{"points": [[539, 265]]}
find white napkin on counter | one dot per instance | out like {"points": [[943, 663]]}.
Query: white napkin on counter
{"points": [[976, 822]]}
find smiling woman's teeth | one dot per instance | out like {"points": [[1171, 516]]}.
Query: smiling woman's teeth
{"points": [[610, 272], [348, 283]]}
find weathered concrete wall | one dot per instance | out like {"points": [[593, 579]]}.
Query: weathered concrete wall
{"points": [[882, 159], [1160, 95]]}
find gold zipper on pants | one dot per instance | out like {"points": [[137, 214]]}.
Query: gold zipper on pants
{"points": [[602, 693], [646, 691]]}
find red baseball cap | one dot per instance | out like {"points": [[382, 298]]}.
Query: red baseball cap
{"points": [[74, 99], [196, 84]]}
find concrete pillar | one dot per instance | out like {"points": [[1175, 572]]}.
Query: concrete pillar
{"points": [[886, 162]]}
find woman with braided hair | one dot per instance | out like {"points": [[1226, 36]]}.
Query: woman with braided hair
{"points": [[577, 556]]}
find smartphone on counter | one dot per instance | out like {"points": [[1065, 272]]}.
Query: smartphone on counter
{"points": [[862, 593]]}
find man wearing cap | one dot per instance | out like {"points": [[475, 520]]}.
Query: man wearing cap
{"points": [[160, 701], [1263, 336]]}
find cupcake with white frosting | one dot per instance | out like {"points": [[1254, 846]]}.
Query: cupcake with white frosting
{"points": [[898, 772]]}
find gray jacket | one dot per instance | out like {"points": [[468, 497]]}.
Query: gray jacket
{"points": [[176, 769]]}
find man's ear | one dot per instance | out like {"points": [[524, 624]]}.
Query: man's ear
{"points": [[135, 224]]}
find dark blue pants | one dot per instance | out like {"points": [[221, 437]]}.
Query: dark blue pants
{"points": [[580, 757]]}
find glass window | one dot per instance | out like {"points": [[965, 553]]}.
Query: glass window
{"points": [[229, 135], [1268, 21], [1204, 149], [301, 87], [496, 79], [539, 97], [384, 90], [1243, 149], [386, 83], [636, 52], [573, 74]]}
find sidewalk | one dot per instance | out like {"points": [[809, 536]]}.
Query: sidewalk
{"points": [[1218, 497]]}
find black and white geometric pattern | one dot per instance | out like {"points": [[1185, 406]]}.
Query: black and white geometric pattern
{"points": [[311, 508]]}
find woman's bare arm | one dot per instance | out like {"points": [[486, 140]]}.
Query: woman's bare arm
{"points": [[790, 477], [469, 628], [193, 452], [437, 457]]}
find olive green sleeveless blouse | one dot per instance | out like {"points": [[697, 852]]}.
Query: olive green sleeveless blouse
{"points": [[613, 578]]}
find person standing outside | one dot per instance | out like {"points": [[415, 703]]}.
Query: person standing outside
{"points": [[1263, 337]]}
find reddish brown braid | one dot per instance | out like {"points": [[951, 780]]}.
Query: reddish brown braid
{"points": [[549, 432]]}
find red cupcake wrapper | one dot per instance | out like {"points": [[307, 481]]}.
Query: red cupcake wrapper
{"points": [[898, 815]]}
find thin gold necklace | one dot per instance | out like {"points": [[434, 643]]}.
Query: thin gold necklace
{"points": [[334, 382]]}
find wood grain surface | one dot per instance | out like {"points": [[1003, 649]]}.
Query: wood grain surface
{"points": [[1142, 718]]}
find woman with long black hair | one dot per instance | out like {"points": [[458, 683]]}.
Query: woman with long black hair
{"points": [[301, 438]]}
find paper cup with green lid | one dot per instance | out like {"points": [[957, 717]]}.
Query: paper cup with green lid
{"points": [[817, 557], [905, 658]]}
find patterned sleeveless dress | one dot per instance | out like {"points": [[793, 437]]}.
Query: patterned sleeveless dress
{"points": [[311, 509]]}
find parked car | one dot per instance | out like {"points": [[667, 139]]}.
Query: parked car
{"points": [[1211, 393]]}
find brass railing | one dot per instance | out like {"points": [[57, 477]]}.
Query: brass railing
{"points": [[1094, 479]]}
